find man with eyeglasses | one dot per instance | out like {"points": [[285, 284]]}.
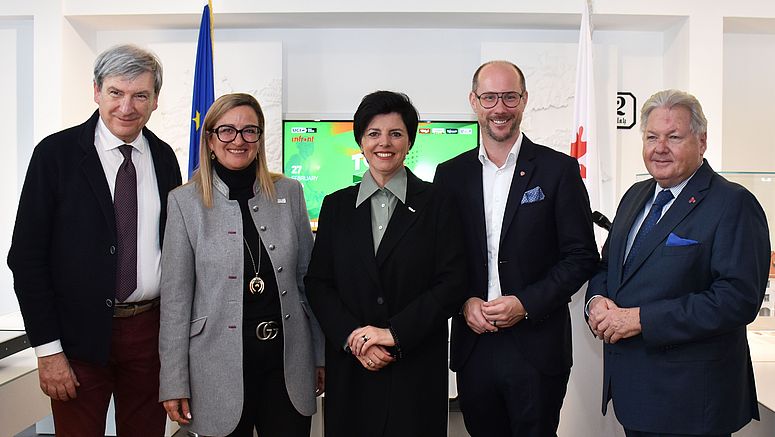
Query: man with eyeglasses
{"points": [[86, 254], [530, 247]]}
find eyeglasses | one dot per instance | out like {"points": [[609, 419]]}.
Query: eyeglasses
{"points": [[227, 134], [510, 98]]}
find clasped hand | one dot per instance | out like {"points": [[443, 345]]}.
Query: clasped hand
{"points": [[611, 323], [498, 313], [368, 345]]}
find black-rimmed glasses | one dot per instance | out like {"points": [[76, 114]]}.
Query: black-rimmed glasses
{"points": [[510, 98], [227, 134]]}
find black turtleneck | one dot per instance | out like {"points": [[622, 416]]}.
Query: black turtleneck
{"points": [[257, 307]]}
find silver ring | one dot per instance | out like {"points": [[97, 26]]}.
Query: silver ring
{"points": [[495, 323], [365, 338], [370, 363]]}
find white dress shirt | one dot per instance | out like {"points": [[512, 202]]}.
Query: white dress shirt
{"points": [[496, 183], [148, 212]]}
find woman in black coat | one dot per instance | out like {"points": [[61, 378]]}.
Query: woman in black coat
{"points": [[387, 271]]}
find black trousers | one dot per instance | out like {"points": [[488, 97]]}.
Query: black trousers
{"points": [[502, 394], [267, 407]]}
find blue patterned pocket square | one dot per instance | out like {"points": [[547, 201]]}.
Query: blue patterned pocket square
{"points": [[533, 195], [675, 240]]}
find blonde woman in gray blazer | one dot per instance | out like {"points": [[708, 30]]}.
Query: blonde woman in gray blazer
{"points": [[240, 348]]}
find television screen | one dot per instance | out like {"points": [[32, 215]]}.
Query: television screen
{"points": [[324, 156]]}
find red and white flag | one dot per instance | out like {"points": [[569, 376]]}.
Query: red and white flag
{"points": [[584, 146]]}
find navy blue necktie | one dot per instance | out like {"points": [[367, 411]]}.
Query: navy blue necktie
{"points": [[125, 206], [651, 220]]}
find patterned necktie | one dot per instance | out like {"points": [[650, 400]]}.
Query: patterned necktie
{"points": [[125, 207], [651, 220]]}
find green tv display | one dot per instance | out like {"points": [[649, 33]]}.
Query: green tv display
{"points": [[324, 156]]}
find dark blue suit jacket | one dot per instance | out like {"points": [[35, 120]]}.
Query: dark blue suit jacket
{"points": [[547, 250], [63, 251], [698, 279]]}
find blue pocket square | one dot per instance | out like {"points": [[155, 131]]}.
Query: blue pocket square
{"points": [[533, 195], [675, 240]]}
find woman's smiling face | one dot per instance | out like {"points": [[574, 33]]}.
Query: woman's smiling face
{"points": [[238, 153], [384, 144]]}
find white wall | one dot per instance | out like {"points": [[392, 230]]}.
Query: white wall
{"points": [[639, 72], [9, 165], [749, 93], [16, 113]]}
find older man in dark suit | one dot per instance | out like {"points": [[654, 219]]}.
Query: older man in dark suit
{"points": [[86, 253], [530, 247], [683, 271]]}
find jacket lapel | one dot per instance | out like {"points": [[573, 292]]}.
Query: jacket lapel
{"points": [[690, 197], [472, 183], [628, 221], [92, 168], [163, 177], [404, 215], [523, 173], [362, 239]]}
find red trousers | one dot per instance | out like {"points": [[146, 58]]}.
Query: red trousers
{"points": [[131, 376]]}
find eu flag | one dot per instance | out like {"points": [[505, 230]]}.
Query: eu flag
{"points": [[203, 88]]}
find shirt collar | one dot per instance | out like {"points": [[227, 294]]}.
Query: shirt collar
{"points": [[105, 139], [510, 158], [396, 186]]}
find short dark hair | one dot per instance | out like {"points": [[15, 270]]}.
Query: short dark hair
{"points": [[385, 102]]}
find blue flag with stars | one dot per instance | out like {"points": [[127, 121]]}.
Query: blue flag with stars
{"points": [[203, 88]]}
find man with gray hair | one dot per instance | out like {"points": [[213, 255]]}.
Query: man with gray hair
{"points": [[86, 253], [683, 272]]}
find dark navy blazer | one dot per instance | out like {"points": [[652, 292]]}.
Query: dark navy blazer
{"points": [[63, 251], [698, 279], [547, 250]]}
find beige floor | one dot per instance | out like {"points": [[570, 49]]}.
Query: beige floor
{"points": [[456, 428]]}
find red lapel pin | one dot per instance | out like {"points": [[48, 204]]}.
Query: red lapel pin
{"points": [[692, 200]]}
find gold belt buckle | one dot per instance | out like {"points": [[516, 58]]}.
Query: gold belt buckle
{"points": [[267, 330]]}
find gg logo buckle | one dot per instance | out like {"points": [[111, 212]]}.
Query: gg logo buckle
{"points": [[267, 330]]}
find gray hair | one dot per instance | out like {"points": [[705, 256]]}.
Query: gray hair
{"points": [[475, 80], [130, 61], [670, 98]]}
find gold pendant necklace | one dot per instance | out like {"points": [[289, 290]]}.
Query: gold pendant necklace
{"points": [[256, 284]]}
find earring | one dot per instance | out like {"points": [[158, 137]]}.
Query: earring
{"points": [[212, 155]]}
